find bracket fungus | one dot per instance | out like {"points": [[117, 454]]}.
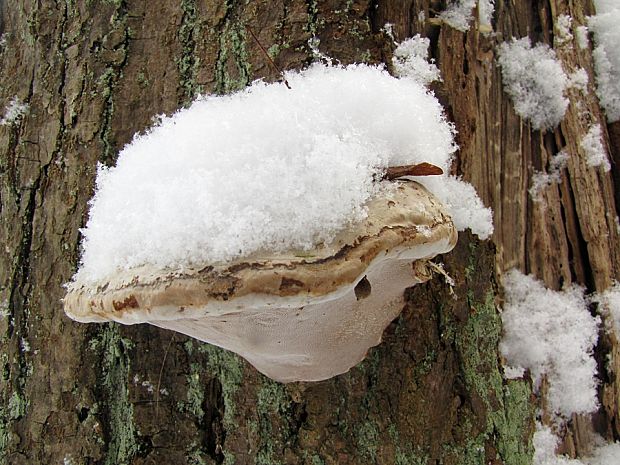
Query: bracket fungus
{"points": [[266, 223], [297, 316]]}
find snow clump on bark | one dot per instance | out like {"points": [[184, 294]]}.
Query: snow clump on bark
{"points": [[535, 80], [552, 334], [604, 25]]}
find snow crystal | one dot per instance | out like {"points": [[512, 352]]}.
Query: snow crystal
{"points": [[604, 25], [267, 169], [14, 112], [411, 60], [388, 29], [5, 310], [609, 306], [592, 145], [463, 204], [578, 80], [513, 372], [485, 12], [24, 345], [542, 180], [581, 33], [562, 28], [552, 333], [459, 14], [606, 454], [545, 442], [535, 80]]}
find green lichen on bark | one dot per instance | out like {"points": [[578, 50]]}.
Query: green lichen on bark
{"points": [[227, 368], [188, 62], [506, 405], [114, 54], [5, 435], [232, 69], [122, 444]]}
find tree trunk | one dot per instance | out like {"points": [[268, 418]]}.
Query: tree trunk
{"points": [[95, 73]]}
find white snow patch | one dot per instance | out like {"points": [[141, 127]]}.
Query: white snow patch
{"points": [[485, 12], [267, 169], [605, 454], [581, 34], [578, 80], [609, 306], [459, 14], [149, 386], [552, 333], [592, 145], [542, 180], [535, 80], [463, 204], [14, 112], [388, 29], [5, 311], [563, 33], [411, 60], [513, 372], [606, 55], [545, 442]]}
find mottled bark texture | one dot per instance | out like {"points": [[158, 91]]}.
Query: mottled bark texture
{"points": [[95, 72]]}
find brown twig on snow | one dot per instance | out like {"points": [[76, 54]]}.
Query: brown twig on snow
{"points": [[421, 169], [161, 372], [273, 63]]}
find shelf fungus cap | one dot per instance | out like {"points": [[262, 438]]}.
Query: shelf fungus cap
{"points": [[297, 316]]}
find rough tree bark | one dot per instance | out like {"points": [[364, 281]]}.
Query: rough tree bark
{"points": [[95, 72]]}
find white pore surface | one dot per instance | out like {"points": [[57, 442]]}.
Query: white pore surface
{"points": [[606, 55], [552, 333], [535, 80], [266, 169], [319, 340]]}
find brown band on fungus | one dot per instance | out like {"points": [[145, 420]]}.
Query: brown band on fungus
{"points": [[129, 302]]}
